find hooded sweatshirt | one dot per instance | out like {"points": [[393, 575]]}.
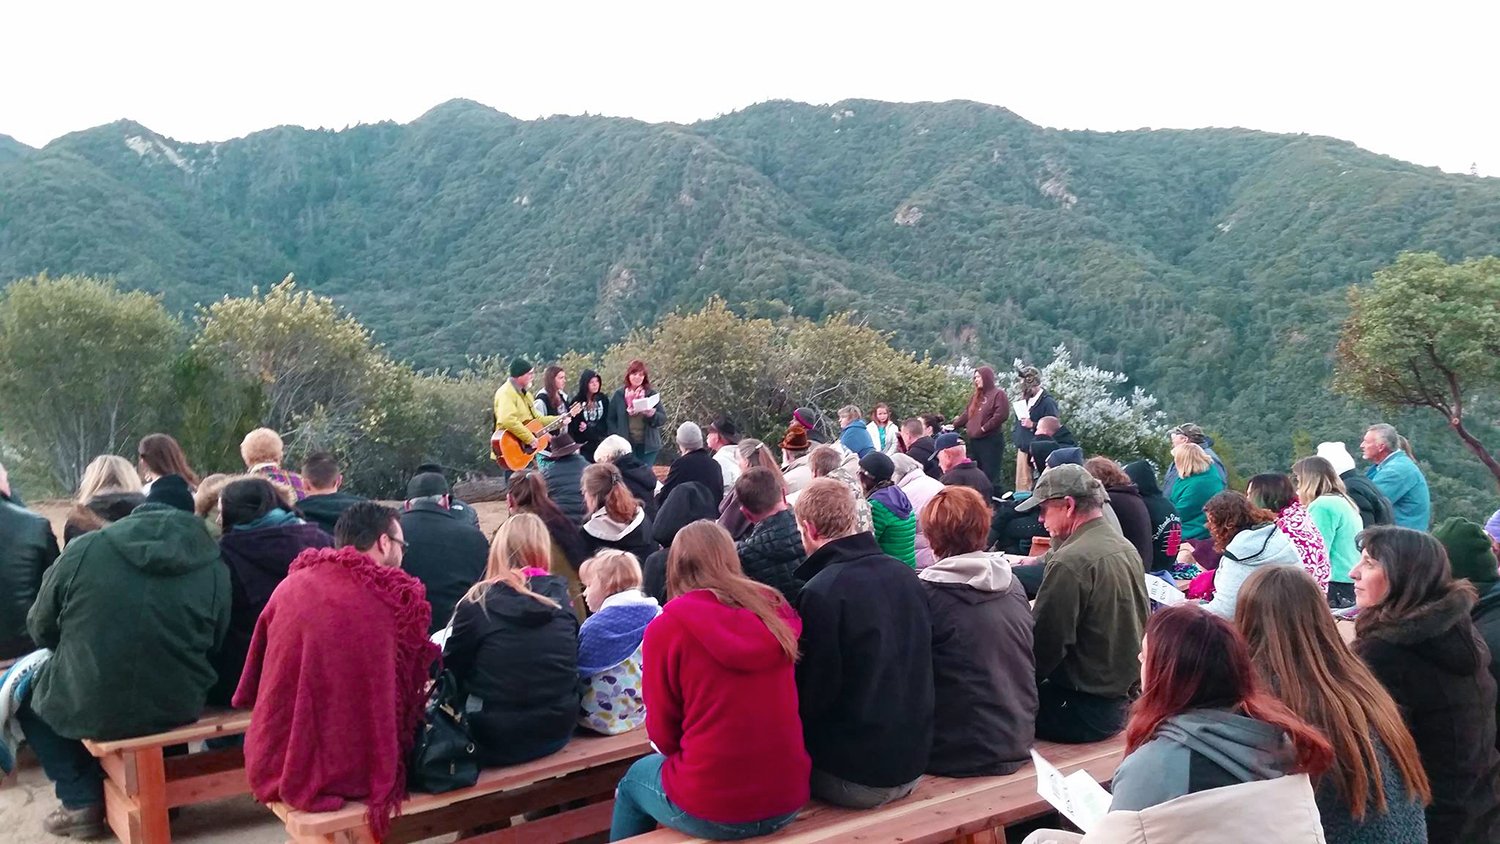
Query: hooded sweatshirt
{"points": [[1166, 528], [609, 662], [132, 613], [601, 531], [988, 408], [686, 504], [895, 523], [1262, 545], [983, 670], [1198, 750], [721, 706]]}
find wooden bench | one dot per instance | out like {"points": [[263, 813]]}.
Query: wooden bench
{"points": [[941, 809], [141, 783], [588, 769]]}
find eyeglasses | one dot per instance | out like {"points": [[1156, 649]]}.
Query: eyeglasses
{"points": [[397, 540]]}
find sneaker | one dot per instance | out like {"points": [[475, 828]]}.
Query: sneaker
{"points": [[87, 822]]}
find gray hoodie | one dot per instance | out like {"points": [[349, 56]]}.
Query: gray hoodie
{"points": [[1198, 750], [1250, 549]]}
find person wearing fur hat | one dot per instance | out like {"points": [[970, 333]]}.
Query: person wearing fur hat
{"points": [[895, 522], [1374, 507], [794, 450], [1471, 557], [1032, 404]]}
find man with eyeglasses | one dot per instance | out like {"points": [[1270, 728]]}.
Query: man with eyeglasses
{"points": [[1090, 611]]}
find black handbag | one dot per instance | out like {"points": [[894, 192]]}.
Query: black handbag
{"points": [[444, 757]]}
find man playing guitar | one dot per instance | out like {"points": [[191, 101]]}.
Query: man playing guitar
{"points": [[515, 407]]}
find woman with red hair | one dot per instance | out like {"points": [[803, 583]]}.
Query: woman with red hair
{"points": [[631, 419]]}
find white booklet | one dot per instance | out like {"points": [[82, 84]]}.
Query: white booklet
{"points": [[1163, 592], [1077, 796], [644, 404]]}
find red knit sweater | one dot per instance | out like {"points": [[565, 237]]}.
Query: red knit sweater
{"points": [[721, 704]]}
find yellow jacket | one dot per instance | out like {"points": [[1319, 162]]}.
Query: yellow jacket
{"points": [[513, 409]]}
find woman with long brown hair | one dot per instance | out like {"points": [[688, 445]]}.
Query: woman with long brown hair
{"points": [[1375, 789], [616, 519], [552, 398], [983, 422], [750, 454], [159, 455], [528, 493], [632, 419], [719, 666]]}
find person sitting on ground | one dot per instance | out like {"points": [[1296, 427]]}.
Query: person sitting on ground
{"points": [[1128, 505], [1397, 477], [514, 647], [590, 425], [854, 437], [639, 478], [884, 432], [616, 519], [829, 461], [695, 463], [983, 669], [1248, 538], [865, 680], [1415, 632], [1375, 788], [772, 551], [920, 446], [1277, 492], [723, 437], [1374, 508], [609, 643], [1166, 527], [260, 536], [794, 451], [1336, 518], [442, 549], [919, 489], [894, 520], [1091, 607], [110, 491], [564, 473], [324, 502], [1186, 433], [958, 469], [812, 422], [1195, 482], [688, 503], [1050, 436], [302, 674], [132, 613], [27, 549], [1471, 557], [527, 493], [262, 452], [158, 455], [751, 453], [718, 668]]}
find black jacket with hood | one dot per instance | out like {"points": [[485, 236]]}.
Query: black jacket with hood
{"points": [[1135, 520], [1164, 522], [983, 670], [520, 657], [864, 683], [565, 485], [1436, 667], [445, 552], [640, 480], [687, 504], [924, 451], [1374, 507]]}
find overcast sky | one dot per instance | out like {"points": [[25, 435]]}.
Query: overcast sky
{"points": [[1420, 84]]}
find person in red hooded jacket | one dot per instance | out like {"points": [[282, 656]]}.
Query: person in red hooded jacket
{"points": [[983, 424], [721, 703]]}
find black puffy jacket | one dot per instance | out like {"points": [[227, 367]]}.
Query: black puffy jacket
{"points": [[565, 485], [27, 548], [520, 657], [772, 552], [1374, 507]]}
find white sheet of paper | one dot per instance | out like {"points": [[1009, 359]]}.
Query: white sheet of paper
{"points": [[645, 404], [1163, 592], [1077, 796]]}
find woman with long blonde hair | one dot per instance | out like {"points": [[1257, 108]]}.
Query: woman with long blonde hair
{"points": [[1376, 787], [110, 491], [1337, 519], [719, 666], [514, 646]]}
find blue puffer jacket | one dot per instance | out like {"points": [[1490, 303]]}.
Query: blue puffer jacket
{"points": [[856, 438]]}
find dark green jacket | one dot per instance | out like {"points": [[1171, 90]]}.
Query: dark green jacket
{"points": [[132, 613]]}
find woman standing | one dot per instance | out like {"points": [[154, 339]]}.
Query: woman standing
{"points": [[1249, 539], [706, 780], [1375, 790], [639, 425], [884, 431], [1338, 521], [552, 400], [987, 411], [1035, 403], [616, 518], [514, 646], [1197, 483], [159, 455], [527, 493], [1276, 492], [1415, 633], [590, 425]]}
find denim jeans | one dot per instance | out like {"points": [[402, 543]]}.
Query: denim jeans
{"points": [[74, 771], [852, 795], [641, 803], [1073, 717]]}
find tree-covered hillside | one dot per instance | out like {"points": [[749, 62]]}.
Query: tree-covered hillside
{"points": [[1211, 265]]}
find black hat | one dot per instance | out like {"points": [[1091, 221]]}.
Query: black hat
{"points": [[878, 465], [519, 367], [724, 427], [171, 490], [562, 446], [427, 484]]}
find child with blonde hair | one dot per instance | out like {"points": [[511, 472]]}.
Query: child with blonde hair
{"points": [[609, 642]]}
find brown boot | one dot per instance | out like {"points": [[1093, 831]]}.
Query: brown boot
{"points": [[87, 822]]}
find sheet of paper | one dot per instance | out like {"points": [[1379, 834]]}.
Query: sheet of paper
{"points": [[1162, 592], [645, 404], [1077, 796]]}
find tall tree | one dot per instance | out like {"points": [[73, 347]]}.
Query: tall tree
{"points": [[1426, 333]]}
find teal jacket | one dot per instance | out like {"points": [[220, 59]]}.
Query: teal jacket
{"points": [[1338, 520], [1399, 480], [1188, 497], [132, 613]]}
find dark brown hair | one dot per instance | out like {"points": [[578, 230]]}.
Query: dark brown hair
{"points": [[162, 455], [1272, 490], [760, 490], [1416, 568], [1107, 472]]}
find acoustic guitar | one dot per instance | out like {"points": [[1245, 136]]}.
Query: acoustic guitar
{"points": [[515, 455]]}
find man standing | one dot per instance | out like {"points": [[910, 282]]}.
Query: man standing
{"points": [[1397, 477], [515, 405], [324, 503], [1189, 432], [1374, 508], [441, 548], [773, 551], [695, 463], [958, 470], [1090, 612], [864, 682], [723, 441], [28, 548]]}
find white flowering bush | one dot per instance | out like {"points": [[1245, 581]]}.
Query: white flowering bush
{"points": [[1104, 419]]}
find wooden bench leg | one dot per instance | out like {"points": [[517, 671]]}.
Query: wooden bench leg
{"points": [[151, 780]]}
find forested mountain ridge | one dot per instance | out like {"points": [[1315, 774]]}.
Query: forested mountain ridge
{"points": [[1210, 264]]}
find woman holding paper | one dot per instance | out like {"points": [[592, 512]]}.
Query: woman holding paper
{"points": [[635, 413]]}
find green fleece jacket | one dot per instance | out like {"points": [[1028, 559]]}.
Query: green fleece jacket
{"points": [[1188, 495], [132, 613]]}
